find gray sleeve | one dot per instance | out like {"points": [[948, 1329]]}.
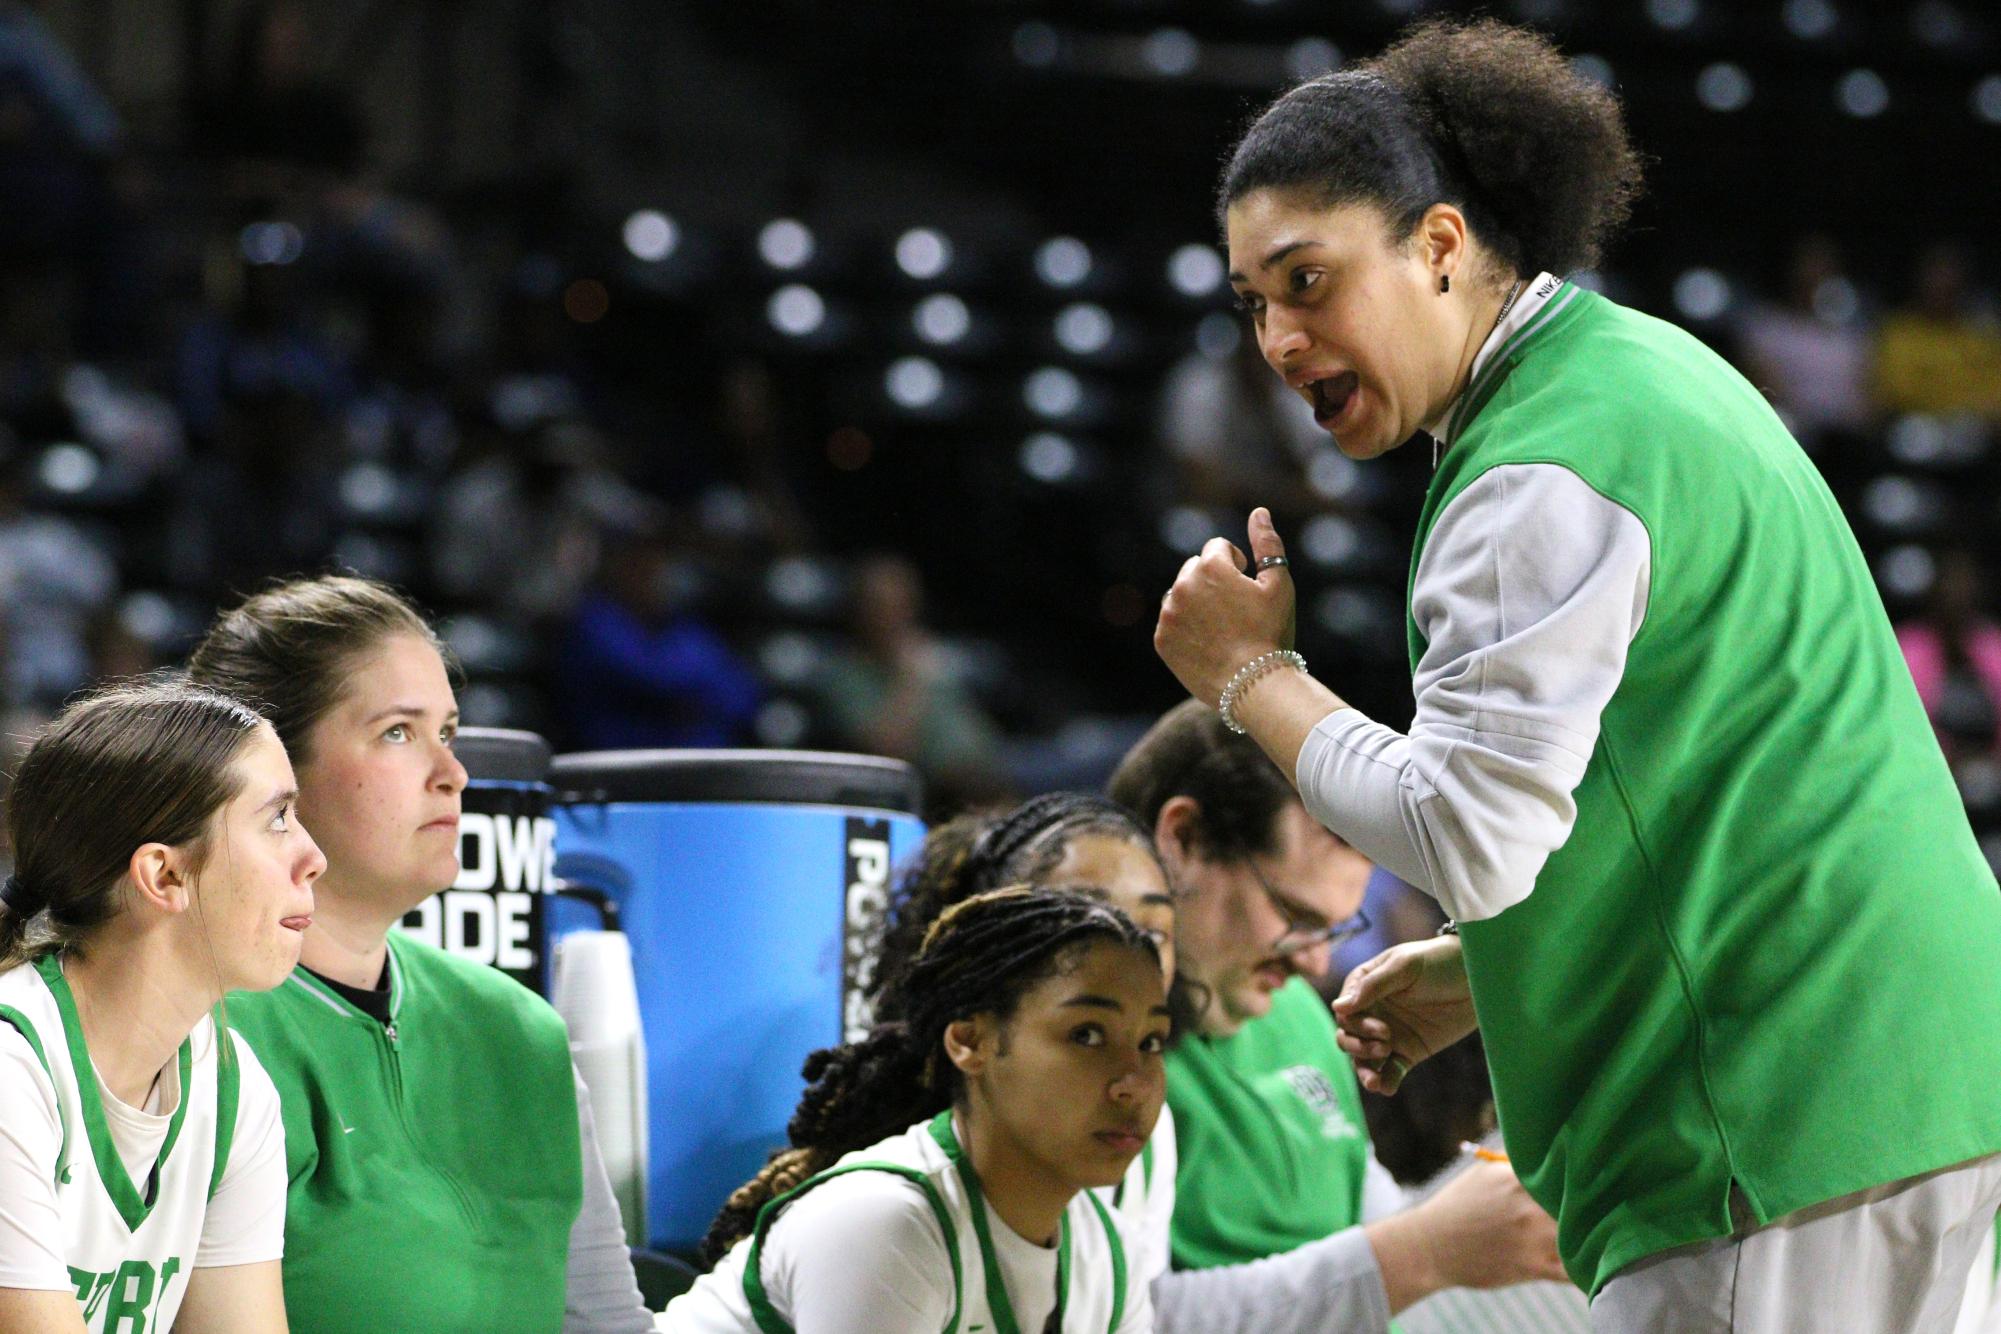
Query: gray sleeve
{"points": [[1528, 593], [1329, 1284], [600, 1296]]}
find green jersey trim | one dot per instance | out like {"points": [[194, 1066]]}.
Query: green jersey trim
{"points": [[1145, 1176], [131, 1205], [761, 1309], [997, 1298], [21, 1022], [399, 985], [1118, 1261], [228, 1084]]}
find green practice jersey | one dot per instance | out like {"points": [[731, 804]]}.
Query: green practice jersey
{"points": [[1268, 1123], [435, 1163], [1767, 954]]}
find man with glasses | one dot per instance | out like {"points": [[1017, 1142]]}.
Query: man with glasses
{"points": [[1273, 1148]]}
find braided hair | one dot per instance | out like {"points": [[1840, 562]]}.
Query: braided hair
{"points": [[976, 853], [980, 957]]}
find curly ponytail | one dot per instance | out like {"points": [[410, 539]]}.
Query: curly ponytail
{"points": [[979, 957], [1485, 116]]}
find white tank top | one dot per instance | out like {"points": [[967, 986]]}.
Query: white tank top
{"points": [[129, 1243], [1095, 1292]]}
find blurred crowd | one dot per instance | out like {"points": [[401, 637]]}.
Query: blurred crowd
{"points": [[243, 355]]}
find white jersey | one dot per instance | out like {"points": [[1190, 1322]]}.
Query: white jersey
{"points": [[119, 1204], [940, 1236], [1144, 1202]]}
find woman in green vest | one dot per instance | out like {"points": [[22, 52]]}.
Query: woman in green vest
{"points": [[941, 1174], [1726, 932], [443, 1171]]}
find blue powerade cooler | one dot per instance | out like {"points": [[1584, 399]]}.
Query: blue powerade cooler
{"points": [[745, 881]]}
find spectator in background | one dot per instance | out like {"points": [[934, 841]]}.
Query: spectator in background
{"points": [[640, 667], [260, 499], [57, 130], [53, 580], [893, 691], [1237, 435], [1810, 352], [258, 336], [1941, 353], [273, 108], [519, 529], [1954, 652]]}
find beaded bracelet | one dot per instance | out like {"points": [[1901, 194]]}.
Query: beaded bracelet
{"points": [[1246, 675]]}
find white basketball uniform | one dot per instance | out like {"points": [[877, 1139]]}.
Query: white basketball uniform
{"points": [[129, 1240], [1097, 1293], [1144, 1202]]}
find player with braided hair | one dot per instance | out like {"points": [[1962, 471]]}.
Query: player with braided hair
{"points": [[941, 1169], [1074, 833], [1070, 840]]}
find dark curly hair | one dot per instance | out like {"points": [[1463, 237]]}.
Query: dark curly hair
{"points": [[1481, 115], [980, 957], [975, 853]]}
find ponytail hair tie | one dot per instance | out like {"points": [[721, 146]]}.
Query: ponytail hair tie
{"points": [[14, 896]]}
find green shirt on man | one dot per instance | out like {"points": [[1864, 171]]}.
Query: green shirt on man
{"points": [[1268, 1123]]}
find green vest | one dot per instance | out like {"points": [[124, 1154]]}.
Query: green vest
{"points": [[435, 1166], [1269, 1131], [1770, 951]]}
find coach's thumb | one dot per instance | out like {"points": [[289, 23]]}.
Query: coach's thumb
{"points": [[1265, 543]]}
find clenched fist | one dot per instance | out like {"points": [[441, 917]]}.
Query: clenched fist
{"points": [[1221, 613]]}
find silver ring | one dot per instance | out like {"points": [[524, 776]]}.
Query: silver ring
{"points": [[1272, 563]]}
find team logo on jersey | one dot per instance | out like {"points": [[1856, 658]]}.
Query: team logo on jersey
{"points": [[1316, 1090], [129, 1296]]}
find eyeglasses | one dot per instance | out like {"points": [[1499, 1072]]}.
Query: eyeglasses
{"points": [[1301, 932]]}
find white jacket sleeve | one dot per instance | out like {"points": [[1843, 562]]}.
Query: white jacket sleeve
{"points": [[1333, 1283], [601, 1293], [1528, 593]]}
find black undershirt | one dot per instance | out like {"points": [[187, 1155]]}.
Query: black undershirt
{"points": [[373, 1002]]}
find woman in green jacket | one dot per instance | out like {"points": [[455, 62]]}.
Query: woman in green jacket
{"points": [[1729, 936], [444, 1174]]}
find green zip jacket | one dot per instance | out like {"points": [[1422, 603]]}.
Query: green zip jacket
{"points": [[434, 1163]]}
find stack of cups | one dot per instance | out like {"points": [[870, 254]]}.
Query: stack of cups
{"points": [[599, 1000]]}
